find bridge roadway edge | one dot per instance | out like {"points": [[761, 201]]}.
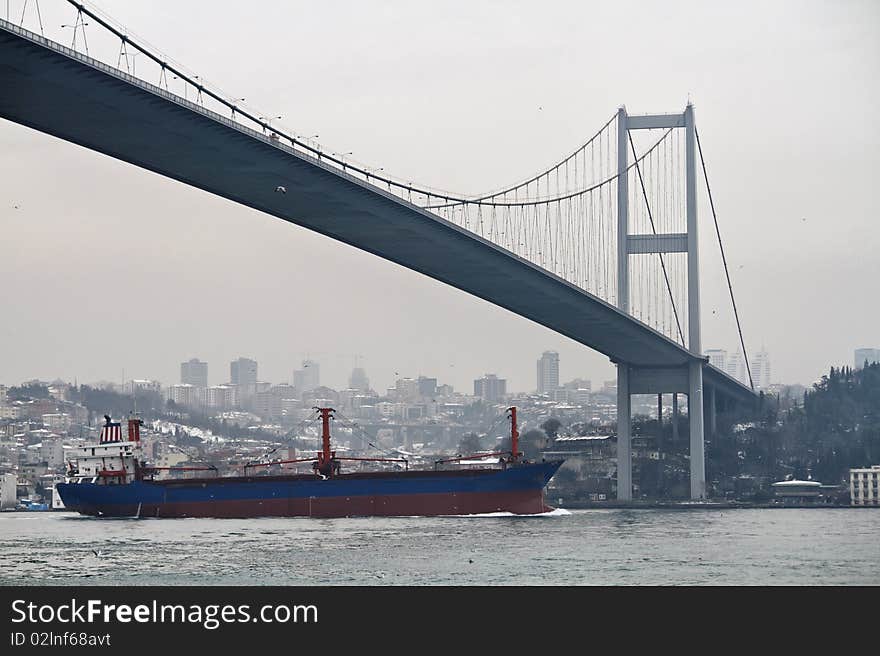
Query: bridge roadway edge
{"points": [[62, 96]]}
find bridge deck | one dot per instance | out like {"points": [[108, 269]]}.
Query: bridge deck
{"points": [[54, 90]]}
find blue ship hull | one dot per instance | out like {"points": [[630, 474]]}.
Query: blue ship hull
{"points": [[517, 489]]}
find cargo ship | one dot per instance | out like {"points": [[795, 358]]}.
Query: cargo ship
{"points": [[110, 479]]}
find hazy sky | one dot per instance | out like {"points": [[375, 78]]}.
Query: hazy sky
{"points": [[107, 267]]}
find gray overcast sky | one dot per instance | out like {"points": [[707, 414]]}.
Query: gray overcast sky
{"points": [[447, 94]]}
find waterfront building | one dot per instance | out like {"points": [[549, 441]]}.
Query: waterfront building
{"points": [[797, 492], [490, 388], [194, 372], [862, 355], [863, 486], [8, 486], [548, 372]]}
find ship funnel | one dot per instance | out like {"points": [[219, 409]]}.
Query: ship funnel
{"points": [[134, 429]]}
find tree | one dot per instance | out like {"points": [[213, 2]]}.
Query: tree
{"points": [[551, 427], [28, 391], [532, 442]]}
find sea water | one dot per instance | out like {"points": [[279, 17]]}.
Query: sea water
{"points": [[696, 546]]}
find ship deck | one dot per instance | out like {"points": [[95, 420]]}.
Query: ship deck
{"points": [[352, 476]]}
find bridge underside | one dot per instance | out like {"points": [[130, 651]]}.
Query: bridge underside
{"points": [[72, 99]]}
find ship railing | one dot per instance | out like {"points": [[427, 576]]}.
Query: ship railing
{"points": [[403, 460], [474, 456], [152, 470], [276, 462], [350, 458]]}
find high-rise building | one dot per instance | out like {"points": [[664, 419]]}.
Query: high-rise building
{"points": [[268, 402], [194, 372], [427, 386], [407, 389], [243, 375], [222, 397], [358, 380], [307, 378], [548, 372], [185, 394], [490, 388], [718, 358], [735, 366], [444, 390], [760, 367], [243, 372], [862, 355]]}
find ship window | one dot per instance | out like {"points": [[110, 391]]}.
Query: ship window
{"points": [[93, 450]]}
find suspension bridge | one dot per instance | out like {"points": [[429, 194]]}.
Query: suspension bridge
{"points": [[600, 247]]}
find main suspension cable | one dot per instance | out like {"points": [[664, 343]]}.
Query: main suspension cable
{"points": [[552, 168], [724, 260], [548, 200]]}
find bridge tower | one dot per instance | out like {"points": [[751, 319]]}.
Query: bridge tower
{"points": [[641, 380]]}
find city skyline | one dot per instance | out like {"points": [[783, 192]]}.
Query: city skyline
{"points": [[309, 370]]}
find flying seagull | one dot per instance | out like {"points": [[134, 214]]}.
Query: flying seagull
{"points": [[281, 189]]}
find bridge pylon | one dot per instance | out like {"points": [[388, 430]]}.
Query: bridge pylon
{"points": [[641, 380]]}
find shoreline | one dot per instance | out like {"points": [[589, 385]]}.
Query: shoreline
{"points": [[694, 505]]}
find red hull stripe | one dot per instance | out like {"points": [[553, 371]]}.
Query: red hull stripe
{"points": [[525, 502]]}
